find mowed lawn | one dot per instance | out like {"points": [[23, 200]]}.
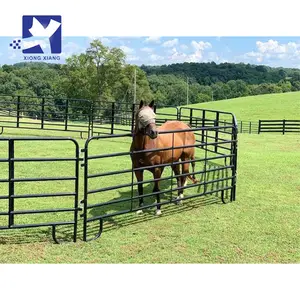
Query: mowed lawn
{"points": [[252, 108], [261, 226]]}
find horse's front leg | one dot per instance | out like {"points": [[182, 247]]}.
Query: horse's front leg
{"points": [[157, 175], [176, 169], [139, 177]]}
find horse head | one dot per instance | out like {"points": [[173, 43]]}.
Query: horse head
{"points": [[145, 120]]}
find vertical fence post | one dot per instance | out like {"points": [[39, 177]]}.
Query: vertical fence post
{"points": [[233, 162], [43, 113], [259, 126], [91, 120], [283, 127], [203, 125], [250, 127], [18, 111], [11, 187], [241, 126], [85, 190], [66, 114], [178, 114], [112, 118], [217, 131], [191, 117]]}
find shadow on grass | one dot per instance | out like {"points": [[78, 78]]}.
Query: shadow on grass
{"points": [[125, 220], [36, 235], [65, 233], [128, 219]]}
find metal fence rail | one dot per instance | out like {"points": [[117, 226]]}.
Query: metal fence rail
{"points": [[25, 112], [111, 118], [248, 126], [117, 118]]}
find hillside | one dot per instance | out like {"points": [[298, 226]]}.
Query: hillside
{"points": [[253, 108], [209, 73]]}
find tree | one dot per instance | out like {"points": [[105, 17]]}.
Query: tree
{"points": [[76, 81], [296, 86], [172, 88], [219, 91], [238, 88], [124, 90], [285, 85], [267, 88], [198, 93], [107, 64]]}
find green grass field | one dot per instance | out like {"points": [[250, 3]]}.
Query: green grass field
{"points": [[252, 108], [261, 226]]}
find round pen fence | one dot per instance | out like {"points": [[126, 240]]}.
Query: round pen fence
{"points": [[72, 116], [109, 187], [80, 117], [35, 113]]}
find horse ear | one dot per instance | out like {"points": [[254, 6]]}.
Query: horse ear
{"points": [[141, 104], [151, 104]]}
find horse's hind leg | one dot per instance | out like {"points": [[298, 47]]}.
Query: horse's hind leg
{"points": [[193, 163], [185, 170], [139, 177], [157, 174]]}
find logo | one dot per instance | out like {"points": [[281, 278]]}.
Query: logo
{"points": [[41, 36], [15, 44], [41, 33]]}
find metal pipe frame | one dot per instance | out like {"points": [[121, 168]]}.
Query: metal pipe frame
{"points": [[12, 181]]}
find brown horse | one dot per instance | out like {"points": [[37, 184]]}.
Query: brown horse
{"points": [[146, 137]]}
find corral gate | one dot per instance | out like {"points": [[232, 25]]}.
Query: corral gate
{"points": [[109, 193], [41, 200]]}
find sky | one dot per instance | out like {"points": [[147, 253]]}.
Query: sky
{"points": [[271, 51]]}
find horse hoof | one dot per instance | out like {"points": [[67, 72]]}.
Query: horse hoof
{"points": [[179, 202], [139, 212], [158, 212]]}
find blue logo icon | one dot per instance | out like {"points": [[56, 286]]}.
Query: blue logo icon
{"points": [[16, 44], [41, 35]]}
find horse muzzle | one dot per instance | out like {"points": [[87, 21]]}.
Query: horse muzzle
{"points": [[153, 134]]}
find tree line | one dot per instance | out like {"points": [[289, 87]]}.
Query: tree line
{"points": [[101, 75], [210, 73], [172, 90]]}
